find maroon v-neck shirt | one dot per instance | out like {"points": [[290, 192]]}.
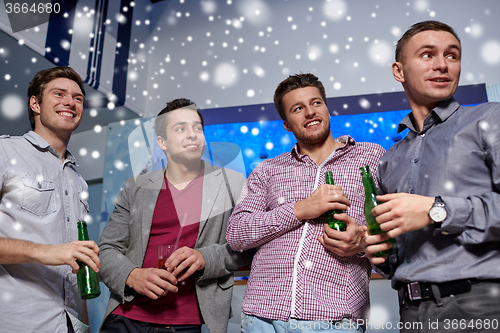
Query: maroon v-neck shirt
{"points": [[173, 208]]}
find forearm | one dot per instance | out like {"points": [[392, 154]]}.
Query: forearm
{"points": [[247, 229], [14, 251], [473, 220], [116, 240], [115, 270], [221, 260]]}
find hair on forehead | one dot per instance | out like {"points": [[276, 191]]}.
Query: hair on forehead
{"points": [[43, 78], [176, 104], [292, 83], [418, 28]]}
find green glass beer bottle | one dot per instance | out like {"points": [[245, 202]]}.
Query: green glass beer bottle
{"points": [[370, 202], [330, 220], [88, 281]]}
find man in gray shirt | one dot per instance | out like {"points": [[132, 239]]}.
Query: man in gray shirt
{"points": [[42, 197], [443, 204]]}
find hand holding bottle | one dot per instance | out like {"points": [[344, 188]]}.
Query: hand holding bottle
{"points": [[332, 222], [324, 198], [88, 281], [372, 244], [403, 212], [371, 202], [343, 243]]}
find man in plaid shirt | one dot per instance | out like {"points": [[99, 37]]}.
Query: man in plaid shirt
{"points": [[305, 275]]}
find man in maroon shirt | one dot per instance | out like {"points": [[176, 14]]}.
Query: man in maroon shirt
{"points": [[186, 204]]}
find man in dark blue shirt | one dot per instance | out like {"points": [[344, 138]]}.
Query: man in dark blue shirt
{"points": [[443, 194]]}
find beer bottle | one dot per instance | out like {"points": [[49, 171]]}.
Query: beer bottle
{"points": [[330, 220], [88, 281], [370, 203]]}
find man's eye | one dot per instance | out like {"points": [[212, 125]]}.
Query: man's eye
{"points": [[426, 55], [299, 108]]}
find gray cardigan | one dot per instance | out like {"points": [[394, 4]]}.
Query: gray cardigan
{"points": [[125, 238]]}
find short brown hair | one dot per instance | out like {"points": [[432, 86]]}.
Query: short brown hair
{"points": [[421, 27], [293, 82], [42, 78], [179, 103]]}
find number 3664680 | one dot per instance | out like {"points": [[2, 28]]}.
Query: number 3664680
{"points": [[36, 8]]}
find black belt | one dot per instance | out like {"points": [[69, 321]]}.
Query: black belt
{"points": [[415, 291]]}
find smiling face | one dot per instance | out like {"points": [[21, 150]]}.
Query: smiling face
{"points": [[61, 109], [185, 140], [430, 68], [306, 116]]}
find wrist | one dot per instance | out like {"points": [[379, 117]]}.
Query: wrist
{"points": [[298, 210], [36, 252], [131, 278], [437, 212]]}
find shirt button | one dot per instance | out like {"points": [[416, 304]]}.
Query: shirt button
{"points": [[39, 185], [66, 192], [415, 160], [422, 135], [407, 260], [67, 219], [412, 191]]}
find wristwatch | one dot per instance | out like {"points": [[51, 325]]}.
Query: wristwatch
{"points": [[438, 213]]}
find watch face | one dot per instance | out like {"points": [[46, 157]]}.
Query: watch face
{"points": [[437, 213]]}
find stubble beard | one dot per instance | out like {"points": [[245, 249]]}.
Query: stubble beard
{"points": [[314, 139]]}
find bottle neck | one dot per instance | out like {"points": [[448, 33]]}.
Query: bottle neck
{"points": [[82, 231], [370, 188], [329, 178]]}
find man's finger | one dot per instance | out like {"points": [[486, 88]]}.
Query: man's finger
{"points": [[188, 273], [372, 249]]}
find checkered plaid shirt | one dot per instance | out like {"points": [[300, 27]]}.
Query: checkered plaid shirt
{"points": [[292, 274]]}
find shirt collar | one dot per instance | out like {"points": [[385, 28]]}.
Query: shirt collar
{"points": [[347, 140], [37, 141], [443, 111]]}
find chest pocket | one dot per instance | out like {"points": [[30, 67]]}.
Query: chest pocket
{"points": [[38, 197]]}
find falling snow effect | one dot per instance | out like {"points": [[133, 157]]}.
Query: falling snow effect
{"points": [[230, 53], [12, 107]]}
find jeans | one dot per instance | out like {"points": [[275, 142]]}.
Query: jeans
{"points": [[253, 324], [120, 324]]}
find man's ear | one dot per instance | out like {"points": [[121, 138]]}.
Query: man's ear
{"points": [[161, 143], [397, 71], [287, 126], [34, 105]]}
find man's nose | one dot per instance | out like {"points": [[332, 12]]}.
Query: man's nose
{"points": [[191, 133], [309, 111], [440, 64]]}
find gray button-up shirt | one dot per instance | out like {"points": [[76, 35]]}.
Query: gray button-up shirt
{"points": [[41, 200], [455, 156]]}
